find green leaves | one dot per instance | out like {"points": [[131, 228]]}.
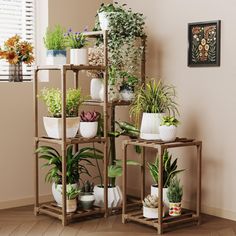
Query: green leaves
{"points": [[169, 120], [175, 191]]}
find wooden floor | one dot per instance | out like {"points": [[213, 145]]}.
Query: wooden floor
{"points": [[21, 221]]}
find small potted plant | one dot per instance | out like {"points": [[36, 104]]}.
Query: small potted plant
{"points": [[71, 201], [53, 123], [168, 128], [175, 194], [86, 197], [89, 124], [77, 41], [54, 41], [150, 207]]}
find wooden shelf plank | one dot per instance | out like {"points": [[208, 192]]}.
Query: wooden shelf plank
{"points": [[101, 103], [70, 67]]}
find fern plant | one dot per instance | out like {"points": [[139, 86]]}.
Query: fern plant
{"points": [[175, 191]]}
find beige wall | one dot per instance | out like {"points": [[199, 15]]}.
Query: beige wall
{"points": [[206, 95]]}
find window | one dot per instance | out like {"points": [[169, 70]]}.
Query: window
{"points": [[17, 17]]}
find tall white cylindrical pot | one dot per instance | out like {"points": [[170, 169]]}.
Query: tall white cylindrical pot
{"points": [[79, 56], [150, 126], [95, 87]]}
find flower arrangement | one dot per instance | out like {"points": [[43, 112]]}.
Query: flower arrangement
{"points": [[16, 51], [75, 39]]}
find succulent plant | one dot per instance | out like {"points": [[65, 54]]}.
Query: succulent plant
{"points": [[89, 116], [88, 187], [151, 201]]}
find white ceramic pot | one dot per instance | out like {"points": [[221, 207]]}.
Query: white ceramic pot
{"points": [[56, 57], [86, 200], [113, 93], [154, 191], [114, 196], [103, 20], [88, 129], [168, 133], [150, 126], [175, 209], [126, 95], [57, 192], [79, 56], [151, 213], [53, 126], [71, 205], [95, 87]]}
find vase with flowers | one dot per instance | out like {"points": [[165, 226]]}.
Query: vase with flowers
{"points": [[16, 51]]}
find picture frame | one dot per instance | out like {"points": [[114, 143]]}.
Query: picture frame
{"points": [[204, 44]]}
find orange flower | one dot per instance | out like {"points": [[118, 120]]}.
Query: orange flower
{"points": [[29, 60], [12, 58], [11, 42]]}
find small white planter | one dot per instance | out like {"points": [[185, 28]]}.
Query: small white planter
{"points": [[151, 213], [126, 95], [71, 205], [175, 209], [79, 56], [57, 192], [168, 133], [114, 196], [86, 200], [150, 126], [95, 87], [56, 57], [104, 20], [53, 126], [113, 93], [88, 129]]}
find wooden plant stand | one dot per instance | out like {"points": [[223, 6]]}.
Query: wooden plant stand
{"points": [[162, 222]]}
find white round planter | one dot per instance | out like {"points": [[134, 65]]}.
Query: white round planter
{"points": [[79, 56], [71, 205], [53, 126], [88, 129], [151, 213], [57, 192], [150, 126], [95, 87], [56, 57], [104, 20], [126, 95], [114, 196], [86, 200], [168, 133]]}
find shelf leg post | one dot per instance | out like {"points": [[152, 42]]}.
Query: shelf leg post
{"points": [[199, 170], [143, 174], [124, 163]]}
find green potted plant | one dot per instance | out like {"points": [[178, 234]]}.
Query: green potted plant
{"points": [[71, 198], [153, 101], [53, 123], [175, 194], [168, 128], [86, 197], [75, 166], [54, 41], [77, 41], [170, 170]]}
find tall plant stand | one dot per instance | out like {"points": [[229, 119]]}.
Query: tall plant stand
{"points": [[162, 222]]}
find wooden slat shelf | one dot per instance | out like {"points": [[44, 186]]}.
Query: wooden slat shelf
{"points": [[101, 103], [71, 67]]}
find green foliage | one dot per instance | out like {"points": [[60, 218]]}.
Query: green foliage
{"points": [[71, 192], [175, 191], [54, 38], [87, 187], [53, 100], [75, 163], [154, 98], [169, 169], [169, 120], [75, 39], [129, 81]]}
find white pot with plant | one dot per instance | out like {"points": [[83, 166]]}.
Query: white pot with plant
{"points": [[71, 198], [175, 194], [153, 100], [54, 41], [169, 172], [168, 128], [75, 166], [89, 124], [76, 42], [53, 123], [86, 197], [150, 207]]}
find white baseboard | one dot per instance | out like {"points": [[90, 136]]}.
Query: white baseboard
{"points": [[24, 201]]}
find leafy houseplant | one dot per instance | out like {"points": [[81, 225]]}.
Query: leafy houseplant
{"points": [[87, 197], [153, 100], [54, 41], [53, 100], [175, 194], [71, 195]]}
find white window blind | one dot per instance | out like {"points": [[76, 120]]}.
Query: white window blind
{"points": [[17, 17]]}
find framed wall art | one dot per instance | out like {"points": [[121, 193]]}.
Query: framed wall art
{"points": [[204, 44]]}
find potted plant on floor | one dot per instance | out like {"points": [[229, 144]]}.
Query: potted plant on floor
{"points": [[75, 166], [53, 123], [89, 124], [169, 172], [168, 128], [175, 194], [153, 100], [77, 41], [54, 41], [71, 202], [86, 197]]}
